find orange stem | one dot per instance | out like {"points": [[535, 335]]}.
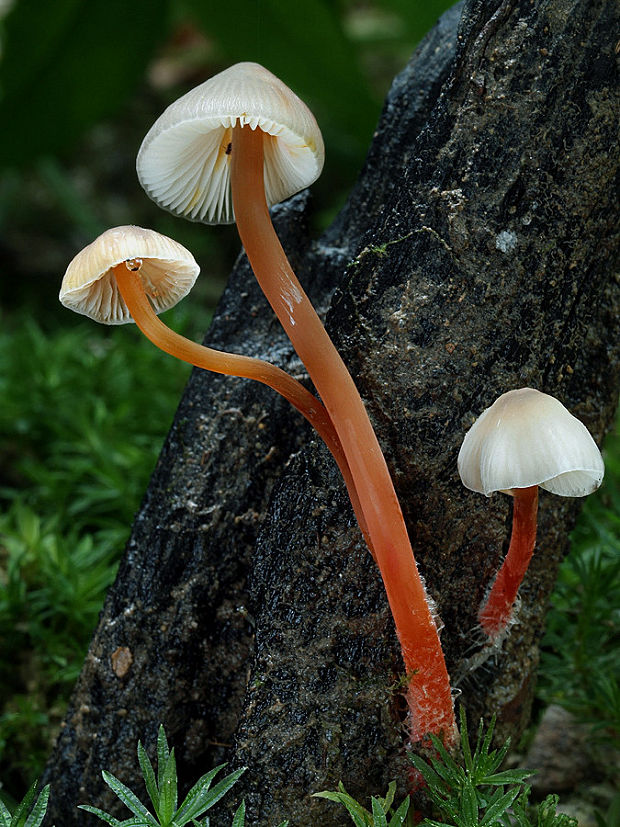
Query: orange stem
{"points": [[232, 364], [428, 694], [496, 610]]}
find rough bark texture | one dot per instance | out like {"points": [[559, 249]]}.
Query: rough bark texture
{"points": [[475, 255]]}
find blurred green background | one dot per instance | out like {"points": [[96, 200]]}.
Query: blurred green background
{"points": [[84, 409], [82, 81]]}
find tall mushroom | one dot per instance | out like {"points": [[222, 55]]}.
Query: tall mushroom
{"points": [[526, 439], [244, 138], [132, 274]]}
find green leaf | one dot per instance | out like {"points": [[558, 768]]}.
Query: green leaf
{"points": [[548, 817], [360, 815], [88, 59], [401, 814], [499, 808], [129, 798], [113, 822], [5, 816], [446, 760], [496, 759], [163, 753], [386, 802], [432, 779], [20, 814], [200, 798], [378, 813], [239, 817], [450, 772], [508, 777], [469, 803], [168, 790], [38, 811], [149, 778], [189, 808]]}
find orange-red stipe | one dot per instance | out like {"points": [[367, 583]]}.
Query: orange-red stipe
{"points": [[428, 695], [496, 610]]}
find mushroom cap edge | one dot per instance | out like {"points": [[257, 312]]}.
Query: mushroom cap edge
{"points": [[528, 438]]}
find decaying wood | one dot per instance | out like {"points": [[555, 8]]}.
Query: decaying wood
{"points": [[476, 254]]}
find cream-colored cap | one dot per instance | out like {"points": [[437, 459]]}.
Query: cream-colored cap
{"points": [[529, 438], [184, 161], [168, 272]]}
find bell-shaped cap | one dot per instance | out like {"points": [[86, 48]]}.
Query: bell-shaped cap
{"points": [[167, 270], [184, 161], [529, 438]]}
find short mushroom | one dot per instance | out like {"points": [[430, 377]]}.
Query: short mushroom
{"points": [[526, 439], [244, 139], [132, 274]]}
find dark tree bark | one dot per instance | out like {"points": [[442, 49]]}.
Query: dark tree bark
{"points": [[475, 255]]}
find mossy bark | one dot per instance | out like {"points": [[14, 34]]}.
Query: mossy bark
{"points": [[476, 254]]}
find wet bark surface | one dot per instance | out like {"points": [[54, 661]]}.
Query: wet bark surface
{"points": [[476, 254]]}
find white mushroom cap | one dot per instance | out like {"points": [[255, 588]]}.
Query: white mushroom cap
{"points": [[168, 272], [184, 161], [529, 438]]}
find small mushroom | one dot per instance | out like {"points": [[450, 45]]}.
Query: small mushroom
{"points": [[164, 270], [132, 274], [244, 138], [526, 439]]}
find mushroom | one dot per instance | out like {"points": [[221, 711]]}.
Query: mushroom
{"points": [[132, 274], [184, 161], [244, 137], [525, 440]]}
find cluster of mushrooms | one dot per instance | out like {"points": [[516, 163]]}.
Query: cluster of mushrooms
{"points": [[227, 151]]}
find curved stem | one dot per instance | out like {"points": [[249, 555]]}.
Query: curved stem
{"points": [[428, 694], [232, 364], [496, 610]]}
